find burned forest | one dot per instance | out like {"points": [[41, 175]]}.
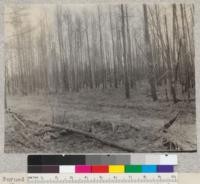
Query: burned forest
{"points": [[100, 78]]}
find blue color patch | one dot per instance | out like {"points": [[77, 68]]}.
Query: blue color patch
{"points": [[149, 168], [165, 168]]}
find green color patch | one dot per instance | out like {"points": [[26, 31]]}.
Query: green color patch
{"points": [[133, 168]]}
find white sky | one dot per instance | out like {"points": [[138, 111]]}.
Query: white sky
{"points": [[36, 12]]}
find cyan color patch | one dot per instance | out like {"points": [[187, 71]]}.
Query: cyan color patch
{"points": [[149, 168]]}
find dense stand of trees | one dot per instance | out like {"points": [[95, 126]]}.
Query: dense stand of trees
{"points": [[102, 47]]}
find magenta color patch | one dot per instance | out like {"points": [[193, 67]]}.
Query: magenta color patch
{"points": [[83, 169]]}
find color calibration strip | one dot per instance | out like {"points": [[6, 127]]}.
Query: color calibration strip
{"points": [[149, 159], [100, 169]]}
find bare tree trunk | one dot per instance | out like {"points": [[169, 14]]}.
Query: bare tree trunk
{"points": [[187, 58], [169, 65], [149, 55], [130, 58], [113, 49], [127, 90], [64, 63], [89, 57], [5, 87], [174, 50], [103, 72]]}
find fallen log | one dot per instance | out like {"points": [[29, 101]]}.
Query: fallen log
{"points": [[78, 132], [23, 134], [87, 134], [169, 123], [17, 119]]}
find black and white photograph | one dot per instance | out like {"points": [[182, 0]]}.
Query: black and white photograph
{"points": [[99, 78]]}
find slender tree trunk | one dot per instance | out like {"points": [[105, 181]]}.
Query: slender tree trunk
{"points": [[169, 65], [63, 61], [103, 72], [89, 59], [5, 87], [127, 90], [130, 57], [113, 49], [149, 56], [174, 60]]}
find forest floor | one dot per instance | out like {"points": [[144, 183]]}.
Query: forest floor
{"points": [[136, 123]]}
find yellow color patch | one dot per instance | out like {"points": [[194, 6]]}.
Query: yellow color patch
{"points": [[116, 168]]}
